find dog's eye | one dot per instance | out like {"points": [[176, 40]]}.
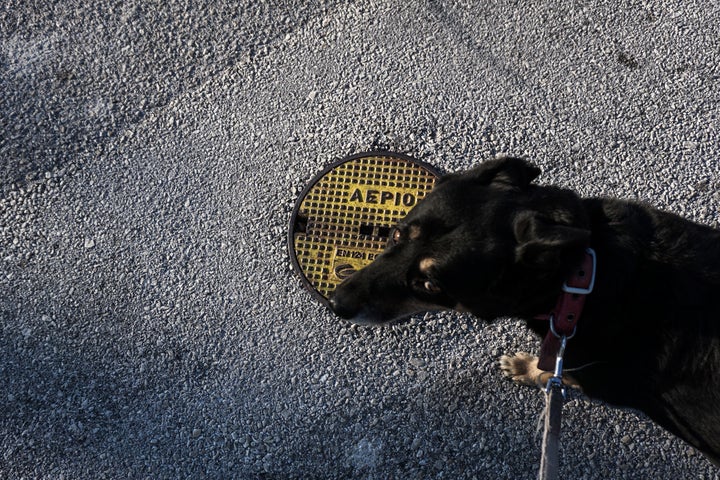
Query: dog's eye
{"points": [[431, 287], [396, 236]]}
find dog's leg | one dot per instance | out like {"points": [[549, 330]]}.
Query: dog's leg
{"points": [[522, 368]]}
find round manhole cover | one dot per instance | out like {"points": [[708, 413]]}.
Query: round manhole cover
{"points": [[344, 218]]}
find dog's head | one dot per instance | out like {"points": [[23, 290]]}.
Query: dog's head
{"points": [[486, 241]]}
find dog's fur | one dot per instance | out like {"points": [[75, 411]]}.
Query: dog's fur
{"points": [[490, 242]]}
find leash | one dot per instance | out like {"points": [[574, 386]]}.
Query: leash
{"points": [[554, 396], [563, 325]]}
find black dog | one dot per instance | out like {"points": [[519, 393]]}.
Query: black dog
{"points": [[489, 242]]}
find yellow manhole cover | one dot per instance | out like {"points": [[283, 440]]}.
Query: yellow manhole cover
{"points": [[344, 217]]}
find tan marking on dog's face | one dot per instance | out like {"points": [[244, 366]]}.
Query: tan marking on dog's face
{"points": [[426, 264], [414, 232], [459, 307]]}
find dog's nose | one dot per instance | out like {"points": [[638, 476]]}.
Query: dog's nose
{"points": [[340, 308], [333, 303]]}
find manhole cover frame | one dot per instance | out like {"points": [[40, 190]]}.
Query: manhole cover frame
{"points": [[316, 179]]}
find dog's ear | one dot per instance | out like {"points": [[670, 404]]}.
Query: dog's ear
{"points": [[503, 171], [544, 244]]}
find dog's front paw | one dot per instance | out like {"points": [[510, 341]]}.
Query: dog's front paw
{"points": [[521, 368]]}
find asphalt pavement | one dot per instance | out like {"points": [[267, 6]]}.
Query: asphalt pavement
{"points": [[150, 323]]}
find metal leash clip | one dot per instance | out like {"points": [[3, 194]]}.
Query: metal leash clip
{"points": [[556, 379]]}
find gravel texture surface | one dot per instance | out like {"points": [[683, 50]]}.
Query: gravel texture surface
{"points": [[151, 326]]}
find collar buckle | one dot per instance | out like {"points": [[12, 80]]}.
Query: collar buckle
{"points": [[588, 266]]}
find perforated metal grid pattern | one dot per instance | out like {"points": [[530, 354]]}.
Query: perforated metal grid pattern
{"points": [[344, 218]]}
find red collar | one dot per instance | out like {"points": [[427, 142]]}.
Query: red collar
{"points": [[564, 317]]}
